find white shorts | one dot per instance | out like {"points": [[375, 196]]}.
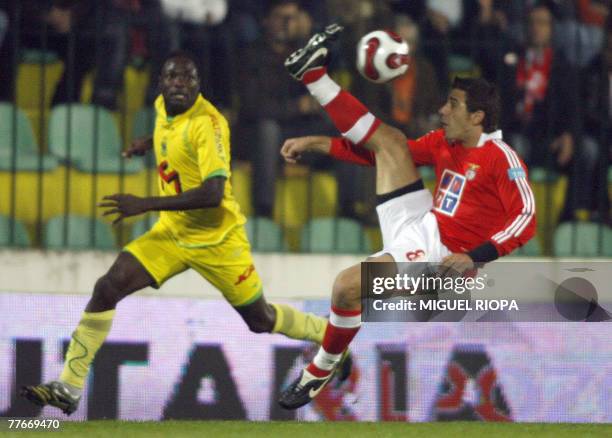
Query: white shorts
{"points": [[410, 230]]}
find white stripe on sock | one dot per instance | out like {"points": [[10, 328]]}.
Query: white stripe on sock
{"points": [[344, 321], [324, 89], [360, 129], [326, 361]]}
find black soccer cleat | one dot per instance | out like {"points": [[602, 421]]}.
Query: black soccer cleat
{"points": [[302, 390], [314, 54], [53, 394]]}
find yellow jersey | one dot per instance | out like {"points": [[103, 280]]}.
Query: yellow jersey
{"points": [[190, 148]]}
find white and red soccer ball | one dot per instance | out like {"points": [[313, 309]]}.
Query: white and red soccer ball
{"points": [[382, 56]]}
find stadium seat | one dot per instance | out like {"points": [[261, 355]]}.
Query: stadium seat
{"points": [[86, 136], [142, 226], [323, 194], [34, 77], [77, 232], [549, 189], [530, 249], [334, 235], [303, 194], [18, 236], [144, 122], [130, 98], [291, 203], [241, 185], [427, 173], [582, 239], [143, 125], [22, 136], [429, 177], [265, 235], [36, 84], [20, 144]]}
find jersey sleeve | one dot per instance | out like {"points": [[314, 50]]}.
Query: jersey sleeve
{"points": [[517, 199], [421, 149], [343, 150], [212, 144]]}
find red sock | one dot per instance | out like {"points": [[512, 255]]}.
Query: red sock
{"points": [[350, 116], [342, 327]]}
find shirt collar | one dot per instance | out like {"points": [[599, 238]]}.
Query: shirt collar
{"points": [[484, 137], [161, 109]]}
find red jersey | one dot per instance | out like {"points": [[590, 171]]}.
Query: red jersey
{"points": [[482, 193]]}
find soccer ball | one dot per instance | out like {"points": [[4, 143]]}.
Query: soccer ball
{"points": [[382, 56]]}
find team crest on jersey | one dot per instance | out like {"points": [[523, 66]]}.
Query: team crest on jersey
{"points": [[449, 192], [470, 173]]}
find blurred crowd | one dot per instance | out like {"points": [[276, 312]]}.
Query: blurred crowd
{"points": [[552, 61]]}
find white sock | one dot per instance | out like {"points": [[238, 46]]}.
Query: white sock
{"points": [[326, 361], [324, 89]]}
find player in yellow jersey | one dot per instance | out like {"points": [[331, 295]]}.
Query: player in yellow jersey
{"points": [[200, 227]]}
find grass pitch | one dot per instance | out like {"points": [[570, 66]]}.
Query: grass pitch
{"points": [[247, 429]]}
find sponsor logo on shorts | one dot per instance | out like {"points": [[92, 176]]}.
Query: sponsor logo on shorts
{"points": [[246, 274], [449, 192]]}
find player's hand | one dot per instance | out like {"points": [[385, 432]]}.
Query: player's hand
{"points": [[293, 148], [564, 147], [456, 263], [123, 205], [139, 147]]}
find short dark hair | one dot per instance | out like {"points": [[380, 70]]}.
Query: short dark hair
{"points": [[180, 54], [480, 95], [544, 4], [273, 4]]}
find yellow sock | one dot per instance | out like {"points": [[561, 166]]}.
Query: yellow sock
{"points": [[86, 340], [299, 325]]}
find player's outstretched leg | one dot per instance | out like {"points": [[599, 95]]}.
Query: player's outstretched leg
{"points": [[125, 276], [314, 54], [395, 169], [264, 317], [344, 323]]}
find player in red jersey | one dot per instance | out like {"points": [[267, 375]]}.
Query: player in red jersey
{"points": [[483, 206]]}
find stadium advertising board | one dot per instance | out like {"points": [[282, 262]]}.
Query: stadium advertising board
{"points": [[185, 358]]}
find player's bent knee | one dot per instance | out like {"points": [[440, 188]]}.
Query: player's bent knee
{"points": [[105, 292], [347, 287], [112, 287]]}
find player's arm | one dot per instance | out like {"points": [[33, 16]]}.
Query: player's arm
{"points": [[422, 149], [208, 195], [518, 201], [519, 227], [339, 148], [139, 147]]}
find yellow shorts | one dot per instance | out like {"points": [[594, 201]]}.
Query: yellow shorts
{"points": [[228, 266]]}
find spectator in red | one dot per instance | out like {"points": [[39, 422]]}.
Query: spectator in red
{"points": [[540, 100], [539, 104]]}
